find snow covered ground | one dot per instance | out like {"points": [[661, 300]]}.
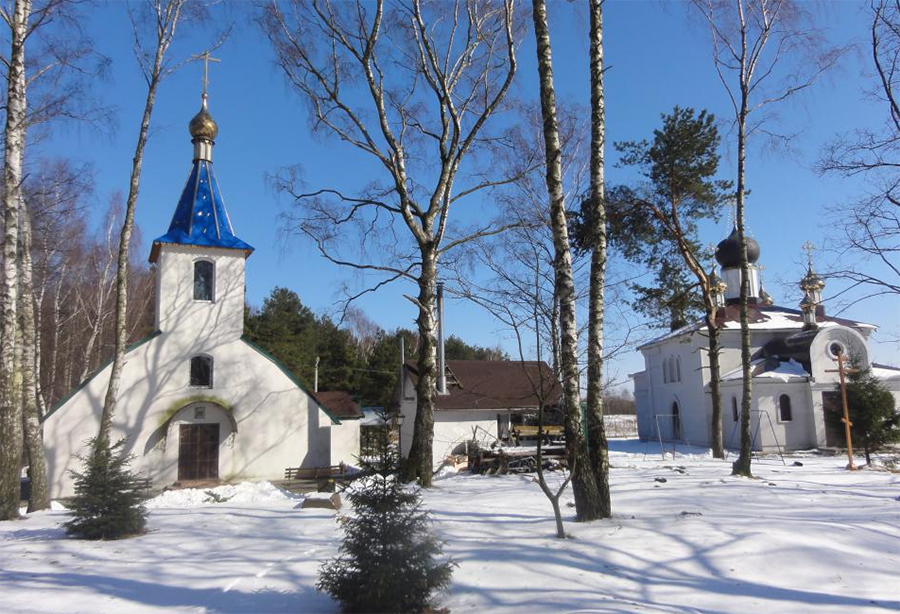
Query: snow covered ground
{"points": [[810, 538]]}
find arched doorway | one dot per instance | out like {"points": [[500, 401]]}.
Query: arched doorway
{"points": [[198, 452], [676, 422], [196, 436]]}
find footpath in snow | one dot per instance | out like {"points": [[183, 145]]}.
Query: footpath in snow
{"points": [[810, 538]]}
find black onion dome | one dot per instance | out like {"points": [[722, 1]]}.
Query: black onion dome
{"points": [[728, 251]]}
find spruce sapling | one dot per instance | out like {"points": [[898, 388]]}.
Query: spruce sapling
{"points": [[388, 561], [106, 505]]}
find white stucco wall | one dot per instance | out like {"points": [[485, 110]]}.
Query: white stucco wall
{"points": [[272, 415], [770, 433], [345, 443], [452, 428], [654, 395], [278, 424]]}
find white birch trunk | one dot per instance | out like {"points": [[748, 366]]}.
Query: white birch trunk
{"points": [[596, 431], [14, 151], [168, 19], [34, 444], [420, 462], [584, 486]]}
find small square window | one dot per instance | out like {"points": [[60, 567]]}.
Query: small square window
{"points": [[199, 413]]}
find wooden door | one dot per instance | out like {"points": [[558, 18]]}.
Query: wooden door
{"points": [[833, 409], [198, 452]]}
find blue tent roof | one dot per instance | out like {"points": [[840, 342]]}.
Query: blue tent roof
{"points": [[200, 218]]}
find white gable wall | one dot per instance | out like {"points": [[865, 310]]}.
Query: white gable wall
{"points": [[659, 392], [273, 417], [278, 425]]}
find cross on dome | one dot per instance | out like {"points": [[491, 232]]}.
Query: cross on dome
{"points": [[207, 58], [809, 248], [203, 127], [200, 218]]}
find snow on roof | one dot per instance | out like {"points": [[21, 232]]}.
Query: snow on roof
{"points": [[885, 371], [373, 416], [770, 369], [762, 318]]}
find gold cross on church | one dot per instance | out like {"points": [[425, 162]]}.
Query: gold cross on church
{"points": [[207, 58], [809, 248]]}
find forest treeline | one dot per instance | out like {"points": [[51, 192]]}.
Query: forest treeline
{"points": [[74, 293]]}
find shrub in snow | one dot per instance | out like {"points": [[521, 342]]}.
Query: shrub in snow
{"points": [[875, 421], [105, 505], [388, 560]]}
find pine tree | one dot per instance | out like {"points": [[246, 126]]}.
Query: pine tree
{"points": [[388, 558], [876, 424], [105, 505]]}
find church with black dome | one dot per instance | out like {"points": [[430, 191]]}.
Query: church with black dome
{"points": [[795, 386]]}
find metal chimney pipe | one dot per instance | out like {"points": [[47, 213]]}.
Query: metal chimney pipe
{"points": [[402, 368], [442, 369], [316, 376]]}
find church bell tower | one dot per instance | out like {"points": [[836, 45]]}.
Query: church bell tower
{"points": [[200, 261]]}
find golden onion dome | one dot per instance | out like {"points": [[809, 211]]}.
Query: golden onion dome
{"points": [[811, 281], [203, 126], [807, 303]]}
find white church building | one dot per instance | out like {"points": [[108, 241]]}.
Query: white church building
{"points": [[795, 383], [197, 401]]}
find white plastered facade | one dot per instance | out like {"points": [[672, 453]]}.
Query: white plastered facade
{"points": [[453, 428], [657, 392], [267, 421]]}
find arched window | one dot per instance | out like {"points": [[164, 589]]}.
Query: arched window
{"points": [[202, 371], [678, 369], [203, 280], [784, 408], [734, 409]]}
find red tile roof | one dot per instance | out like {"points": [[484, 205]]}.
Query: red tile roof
{"points": [[340, 403], [495, 384]]}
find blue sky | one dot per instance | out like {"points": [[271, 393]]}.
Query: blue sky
{"points": [[657, 57]]}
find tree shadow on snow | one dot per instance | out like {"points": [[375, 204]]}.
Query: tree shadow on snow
{"points": [[301, 599]]}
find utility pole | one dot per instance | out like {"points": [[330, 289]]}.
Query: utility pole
{"points": [[846, 419]]}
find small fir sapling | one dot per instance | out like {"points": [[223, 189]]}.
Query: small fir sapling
{"points": [[875, 421], [106, 505], [389, 558]]}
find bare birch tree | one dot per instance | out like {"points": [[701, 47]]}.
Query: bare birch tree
{"points": [[588, 505], [596, 434], [52, 84], [867, 242], [412, 85], [13, 158], [522, 309], [753, 41], [34, 444], [162, 18]]}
